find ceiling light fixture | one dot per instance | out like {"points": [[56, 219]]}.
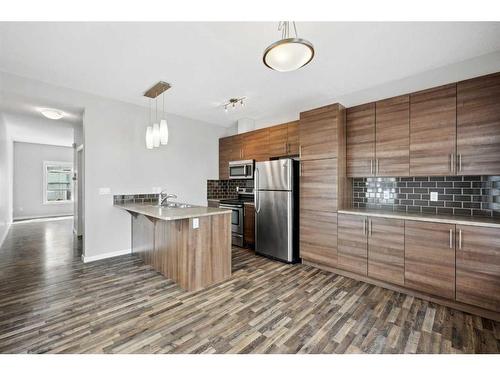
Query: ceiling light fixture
{"points": [[52, 114], [157, 132], [233, 102], [288, 54]]}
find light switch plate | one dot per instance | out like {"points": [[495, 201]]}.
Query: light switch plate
{"points": [[434, 196], [104, 191], [196, 223]]}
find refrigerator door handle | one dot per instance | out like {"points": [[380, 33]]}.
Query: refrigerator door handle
{"points": [[256, 196]]}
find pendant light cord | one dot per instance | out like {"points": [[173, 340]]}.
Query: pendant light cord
{"points": [[284, 27]]}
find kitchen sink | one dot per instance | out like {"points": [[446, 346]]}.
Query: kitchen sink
{"points": [[173, 205]]}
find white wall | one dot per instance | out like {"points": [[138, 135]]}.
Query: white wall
{"points": [[116, 157], [5, 180], [29, 180]]}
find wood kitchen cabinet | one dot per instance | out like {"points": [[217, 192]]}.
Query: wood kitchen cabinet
{"points": [[284, 139], [249, 225], [293, 138], [392, 145], [230, 148], [256, 145], [478, 126], [386, 249], [433, 131], [318, 185], [430, 258], [352, 243], [319, 133], [478, 266], [318, 237], [360, 143]]}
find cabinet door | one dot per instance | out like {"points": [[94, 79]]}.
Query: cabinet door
{"points": [[278, 143], [433, 131], [352, 244], [318, 185], [386, 250], [293, 138], [249, 225], [478, 266], [318, 237], [318, 133], [430, 258], [392, 137], [478, 126], [360, 133], [256, 145]]}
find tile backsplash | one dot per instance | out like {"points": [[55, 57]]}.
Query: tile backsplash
{"points": [[225, 189], [456, 195], [135, 198]]}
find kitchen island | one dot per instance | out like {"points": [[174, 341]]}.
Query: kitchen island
{"points": [[190, 245]]}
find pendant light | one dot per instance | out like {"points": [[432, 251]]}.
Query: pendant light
{"points": [[163, 125], [149, 131], [288, 54]]}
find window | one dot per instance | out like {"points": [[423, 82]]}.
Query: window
{"points": [[57, 182]]}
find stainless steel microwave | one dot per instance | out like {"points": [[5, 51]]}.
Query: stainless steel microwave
{"points": [[241, 169]]}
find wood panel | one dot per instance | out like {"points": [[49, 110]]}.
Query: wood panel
{"points": [[318, 237], [256, 145], [478, 126], [293, 138], [433, 131], [249, 225], [386, 250], [318, 133], [360, 133], [478, 266], [430, 258], [278, 140], [318, 185], [352, 244], [392, 136], [230, 148]]}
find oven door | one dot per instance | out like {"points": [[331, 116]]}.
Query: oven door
{"points": [[236, 223]]}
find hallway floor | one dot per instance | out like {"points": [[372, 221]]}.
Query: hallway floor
{"points": [[51, 302]]}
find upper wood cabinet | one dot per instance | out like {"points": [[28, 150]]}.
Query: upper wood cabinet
{"points": [[318, 185], [430, 258], [284, 139], [360, 146], [230, 148], [433, 131], [386, 249], [478, 126], [318, 237], [392, 148], [478, 266], [319, 133], [256, 145], [353, 244]]}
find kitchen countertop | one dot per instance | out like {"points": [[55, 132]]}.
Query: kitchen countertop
{"points": [[461, 220], [164, 213]]}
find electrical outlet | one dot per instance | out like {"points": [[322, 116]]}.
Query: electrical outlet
{"points": [[434, 196], [387, 195], [196, 223]]}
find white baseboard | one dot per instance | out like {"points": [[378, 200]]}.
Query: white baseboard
{"points": [[2, 237], [93, 258]]}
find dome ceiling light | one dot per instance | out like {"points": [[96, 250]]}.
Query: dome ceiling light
{"points": [[288, 54], [157, 132], [52, 114]]}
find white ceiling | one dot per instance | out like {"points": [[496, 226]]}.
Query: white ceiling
{"points": [[207, 63]]}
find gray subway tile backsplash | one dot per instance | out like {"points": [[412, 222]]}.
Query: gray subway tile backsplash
{"points": [[457, 195], [225, 189]]}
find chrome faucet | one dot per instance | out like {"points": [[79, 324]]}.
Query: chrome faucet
{"points": [[164, 199]]}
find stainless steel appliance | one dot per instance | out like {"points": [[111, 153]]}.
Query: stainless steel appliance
{"points": [[236, 205], [241, 169], [276, 209]]}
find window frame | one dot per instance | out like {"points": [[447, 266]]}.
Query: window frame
{"points": [[47, 163]]}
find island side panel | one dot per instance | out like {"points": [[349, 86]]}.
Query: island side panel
{"points": [[221, 247], [143, 230]]}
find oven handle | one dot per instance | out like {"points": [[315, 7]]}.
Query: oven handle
{"points": [[256, 196]]}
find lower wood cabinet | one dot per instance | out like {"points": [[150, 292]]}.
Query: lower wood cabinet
{"points": [[353, 244], [386, 249], [478, 266], [249, 225], [430, 258], [318, 237]]}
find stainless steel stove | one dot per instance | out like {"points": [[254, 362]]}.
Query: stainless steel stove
{"points": [[236, 205]]}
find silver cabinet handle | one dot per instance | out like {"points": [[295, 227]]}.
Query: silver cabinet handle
{"points": [[452, 157], [371, 166], [364, 227], [451, 240], [371, 227], [300, 152], [376, 166], [460, 239], [460, 162]]}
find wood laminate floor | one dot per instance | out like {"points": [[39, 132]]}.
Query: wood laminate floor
{"points": [[50, 302]]}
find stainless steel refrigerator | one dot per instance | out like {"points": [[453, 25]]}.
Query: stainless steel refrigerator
{"points": [[276, 209]]}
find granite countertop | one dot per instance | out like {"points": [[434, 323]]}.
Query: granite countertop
{"points": [[449, 219], [164, 213]]}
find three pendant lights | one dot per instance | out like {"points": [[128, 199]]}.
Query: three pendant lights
{"points": [[157, 131]]}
